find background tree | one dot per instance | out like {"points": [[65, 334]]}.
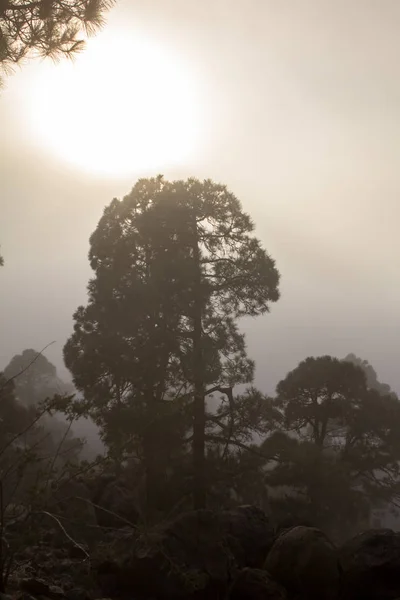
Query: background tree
{"points": [[175, 266], [348, 436], [370, 374], [21, 441], [46, 27], [14, 416], [35, 377], [35, 380]]}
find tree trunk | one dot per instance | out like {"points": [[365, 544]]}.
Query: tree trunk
{"points": [[199, 420]]}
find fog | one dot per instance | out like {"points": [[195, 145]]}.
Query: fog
{"points": [[299, 118]]}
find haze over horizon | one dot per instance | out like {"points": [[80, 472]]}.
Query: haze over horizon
{"points": [[294, 106]]}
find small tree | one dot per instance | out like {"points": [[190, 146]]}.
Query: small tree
{"points": [[350, 434]]}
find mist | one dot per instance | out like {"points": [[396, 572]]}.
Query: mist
{"points": [[268, 381]]}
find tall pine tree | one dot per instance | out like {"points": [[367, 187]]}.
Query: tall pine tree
{"points": [[175, 266]]}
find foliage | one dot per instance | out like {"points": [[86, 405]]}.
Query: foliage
{"points": [[167, 254], [370, 374], [315, 397], [13, 416], [46, 27], [27, 464], [35, 377], [34, 380], [344, 456]]}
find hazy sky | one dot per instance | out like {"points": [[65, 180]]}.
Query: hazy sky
{"points": [[295, 105]]}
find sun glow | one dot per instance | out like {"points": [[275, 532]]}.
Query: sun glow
{"points": [[123, 106]]}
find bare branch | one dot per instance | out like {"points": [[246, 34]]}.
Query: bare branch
{"points": [[76, 544]]}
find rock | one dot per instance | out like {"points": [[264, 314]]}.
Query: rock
{"points": [[38, 587], [305, 562], [185, 559], [77, 594], [35, 587], [256, 584], [249, 534], [371, 566], [56, 592], [22, 596]]}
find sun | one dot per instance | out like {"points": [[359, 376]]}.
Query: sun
{"points": [[125, 105]]}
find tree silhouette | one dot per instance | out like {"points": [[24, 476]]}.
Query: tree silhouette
{"points": [[34, 380], [370, 374], [35, 377], [175, 267], [349, 433]]}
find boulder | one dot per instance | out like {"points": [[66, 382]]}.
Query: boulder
{"points": [[38, 587], [198, 553], [305, 562], [35, 587], [371, 566], [249, 535], [256, 584], [77, 594], [188, 558]]}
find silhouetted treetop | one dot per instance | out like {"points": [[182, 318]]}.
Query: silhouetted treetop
{"points": [[326, 402], [370, 374], [35, 377], [175, 265]]}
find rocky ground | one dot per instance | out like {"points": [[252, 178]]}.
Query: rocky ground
{"points": [[227, 555]]}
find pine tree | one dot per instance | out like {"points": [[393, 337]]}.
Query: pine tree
{"points": [[175, 267], [46, 28]]}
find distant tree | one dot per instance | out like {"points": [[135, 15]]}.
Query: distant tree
{"points": [[370, 374], [46, 27], [316, 396], [348, 432], [14, 417], [20, 440], [175, 266], [35, 377]]}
